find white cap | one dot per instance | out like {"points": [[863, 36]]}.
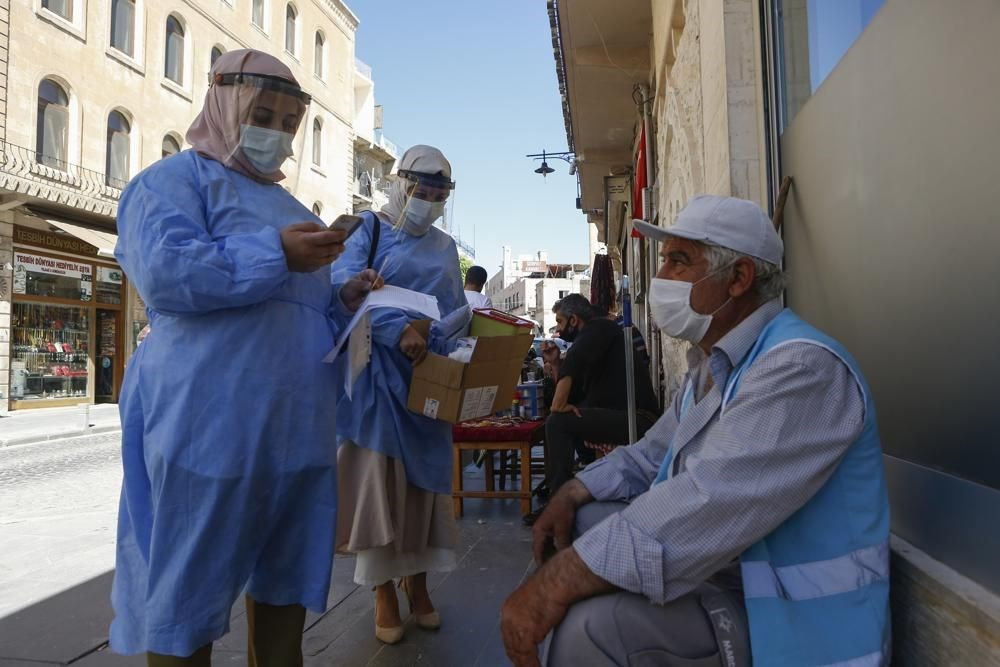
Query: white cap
{"points": [[737, 224]]}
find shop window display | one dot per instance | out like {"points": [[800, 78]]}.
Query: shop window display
{"points": [[109, 285], [49, 350], [38, 275]]}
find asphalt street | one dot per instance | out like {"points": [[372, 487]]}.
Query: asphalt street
{"points": [[58, 510]]}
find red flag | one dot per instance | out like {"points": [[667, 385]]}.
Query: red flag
{"points": [[639, 182]]}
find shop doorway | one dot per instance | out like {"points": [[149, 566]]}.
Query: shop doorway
{"points": [[105, 358]]}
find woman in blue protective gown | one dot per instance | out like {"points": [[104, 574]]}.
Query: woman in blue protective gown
{"points": [[227, 436], [394, 464]]}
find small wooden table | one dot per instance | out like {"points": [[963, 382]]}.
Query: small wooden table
{"points": [[500, 437]]}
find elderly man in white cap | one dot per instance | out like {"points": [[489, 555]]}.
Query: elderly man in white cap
{"points": [[751, 522]]}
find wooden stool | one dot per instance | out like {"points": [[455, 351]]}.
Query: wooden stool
{"points": [[521, 448]]}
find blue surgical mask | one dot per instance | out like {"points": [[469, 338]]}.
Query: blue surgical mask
{"points": [[266, 149], [420, 216]]}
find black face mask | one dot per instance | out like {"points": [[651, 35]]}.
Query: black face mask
{"points": [[569, 334]]}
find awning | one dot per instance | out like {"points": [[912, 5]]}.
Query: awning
{"points": [[104, 241]]}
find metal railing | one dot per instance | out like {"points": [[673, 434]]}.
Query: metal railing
{"points": [[33, 166], [366, 185], [382, 184], [467, 247], [363, 185], [385, 144]]}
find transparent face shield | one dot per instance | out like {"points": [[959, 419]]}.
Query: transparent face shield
{"points": [[424, 204], [426, 198], [266, 116]]}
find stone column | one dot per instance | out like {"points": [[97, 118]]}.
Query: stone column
{"points": [[4, 59], [6, 294]]}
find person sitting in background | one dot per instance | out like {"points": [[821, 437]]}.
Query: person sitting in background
{"points": [[475, 280], [553, 351], [590, 401]]}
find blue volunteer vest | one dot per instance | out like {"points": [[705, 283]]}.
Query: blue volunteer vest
{"points": [[817, 588]]}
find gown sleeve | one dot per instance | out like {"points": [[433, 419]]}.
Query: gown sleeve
{"points": [[178, 267], [387, 323]]}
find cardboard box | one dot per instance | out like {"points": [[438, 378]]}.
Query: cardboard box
{"points": [[449, 390]]}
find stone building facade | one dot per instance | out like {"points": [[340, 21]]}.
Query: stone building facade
{"points": [[92, 92], [689, 72]]}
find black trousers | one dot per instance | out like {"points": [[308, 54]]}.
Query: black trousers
{"points": [[566, 433]]}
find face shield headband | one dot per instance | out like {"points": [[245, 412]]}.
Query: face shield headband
{"points": [[428, 181], [262, 81]]}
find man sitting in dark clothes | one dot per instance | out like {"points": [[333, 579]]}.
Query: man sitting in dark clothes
{"points": [[591, 400]]}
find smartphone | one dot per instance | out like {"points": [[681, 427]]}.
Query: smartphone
{"points": [[348, 223]]}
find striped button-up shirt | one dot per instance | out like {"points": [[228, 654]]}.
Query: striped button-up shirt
{"points": [[736, 476]]}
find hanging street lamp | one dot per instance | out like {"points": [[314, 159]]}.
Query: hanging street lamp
{"points": [[545, 169]]}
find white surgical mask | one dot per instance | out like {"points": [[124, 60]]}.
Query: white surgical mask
{"points": [[266, 149], [420, 215], [670, 306]]}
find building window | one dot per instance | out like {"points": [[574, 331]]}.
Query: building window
{"points": [[118, 149], [174, 63], [123, 25], [257, 13], [216, 52], [290, 17], [63, 8], [317, 142], [317, 209], [563, 293], [170, 146], [318, 65], [813, 35], [53, 125]]}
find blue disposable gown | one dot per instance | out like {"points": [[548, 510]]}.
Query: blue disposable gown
{"points": [[227, 429], [376, 417]]}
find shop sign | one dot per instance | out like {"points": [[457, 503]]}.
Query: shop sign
{"points": [[51, 266], [617, 188], [25, 263], [20, 279], [106, 274], [50, 241]]}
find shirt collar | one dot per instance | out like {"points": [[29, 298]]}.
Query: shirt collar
{"points": [[731, 348]]}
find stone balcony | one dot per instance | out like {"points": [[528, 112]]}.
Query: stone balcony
{"points": [[25, 177]]}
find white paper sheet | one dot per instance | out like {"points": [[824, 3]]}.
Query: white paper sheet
{"points": [[389, 296], [359, 351]]}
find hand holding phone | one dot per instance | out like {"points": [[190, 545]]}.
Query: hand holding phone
{"points": [[309, 246], [347, 223]]}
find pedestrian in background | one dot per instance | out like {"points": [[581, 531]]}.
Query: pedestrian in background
{"points": [[475, 280]]}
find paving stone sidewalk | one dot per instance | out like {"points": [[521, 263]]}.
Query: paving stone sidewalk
{"points": [[23, 427]]}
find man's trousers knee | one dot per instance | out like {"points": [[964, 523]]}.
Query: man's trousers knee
{"points": [[707, 627]]}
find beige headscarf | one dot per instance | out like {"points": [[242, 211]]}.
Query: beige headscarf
{"points": [[215, 133], [424, 159]]}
